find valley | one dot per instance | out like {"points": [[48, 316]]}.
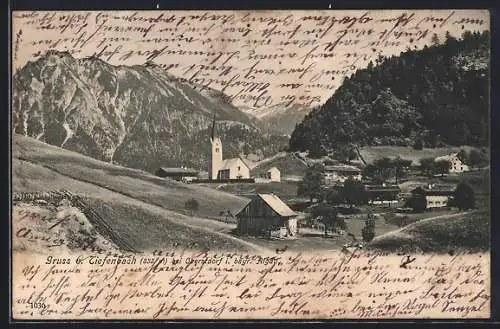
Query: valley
{"points": [[100, 131], [150, 213]]}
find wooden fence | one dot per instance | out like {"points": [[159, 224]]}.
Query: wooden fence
{"points": [[97, 221], [47, 196], [219, 181]]}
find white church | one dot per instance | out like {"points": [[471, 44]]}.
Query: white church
{"points": [[220, 169]]}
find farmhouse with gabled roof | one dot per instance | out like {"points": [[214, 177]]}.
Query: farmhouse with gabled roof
{"points": [[267, 214]]}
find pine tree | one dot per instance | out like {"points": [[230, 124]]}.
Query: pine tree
{"points": [[312, 183], [435, 39]]}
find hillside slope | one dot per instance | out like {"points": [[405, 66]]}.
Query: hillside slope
{"points": [[146, 212], [133, 183], [138, 116], [438, 95], [289, 165], [457, 232], [468, 231]]}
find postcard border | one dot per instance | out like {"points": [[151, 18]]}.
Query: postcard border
{"points": [[187, 5]]}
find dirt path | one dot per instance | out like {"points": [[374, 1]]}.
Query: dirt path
{"points": [[219, 228], [267, 160]]}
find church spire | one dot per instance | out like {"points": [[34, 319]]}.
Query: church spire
{"points": [[215, 163], [214, 133]]}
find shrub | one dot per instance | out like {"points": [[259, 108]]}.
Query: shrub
{"points": [[464, 197], [327, 215], [333, 197], [368, 231], [419, 145], [417, 202], [192, 205], [353, 192]]}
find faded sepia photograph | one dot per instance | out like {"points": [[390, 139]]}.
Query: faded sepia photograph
{"points": [[292, 164]]}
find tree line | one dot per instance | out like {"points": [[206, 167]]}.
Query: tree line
{"points": [[432, 97]]}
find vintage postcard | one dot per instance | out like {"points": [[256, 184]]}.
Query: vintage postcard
{"points": [[216, 165]]}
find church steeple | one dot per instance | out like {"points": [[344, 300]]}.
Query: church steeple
{"points": [[215, 163], [214, 133]]}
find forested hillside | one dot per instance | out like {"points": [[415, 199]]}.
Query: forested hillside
{"points": [[438, 96]]}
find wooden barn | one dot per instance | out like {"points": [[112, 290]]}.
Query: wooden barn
{"points": [[383, 194], [267, 214], [178, 174]]}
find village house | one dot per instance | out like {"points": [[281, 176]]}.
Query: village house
{"points": [[269, 176], [382, 194], [178, 174], [436, 196], [273, 175], [338, 174], [267, 214], [457, 166], [228, 169]]}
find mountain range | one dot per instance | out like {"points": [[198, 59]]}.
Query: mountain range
{"points": [[278, 119], [138, 116]]}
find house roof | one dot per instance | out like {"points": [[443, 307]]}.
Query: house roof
{"points": [[228, 163], [394, 190], [277, 205], [178, 171], [343, 168], [438, 192], [435, 190], [381, 188], [448, 157]]}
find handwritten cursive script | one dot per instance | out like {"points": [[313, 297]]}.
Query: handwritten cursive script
{"points": [[230, 285], [258, 58]]}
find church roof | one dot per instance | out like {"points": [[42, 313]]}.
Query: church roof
{"points": [[229, 163]]}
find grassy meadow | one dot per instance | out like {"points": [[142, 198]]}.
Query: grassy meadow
{"points": [[146, 211], [133, 183], [372, 153]]}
